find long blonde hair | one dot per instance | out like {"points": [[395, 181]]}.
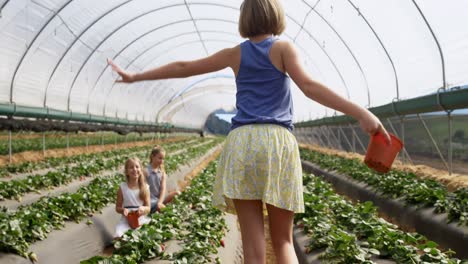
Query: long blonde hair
{"points": [[142, 185], [155, 151], [259, 17]]}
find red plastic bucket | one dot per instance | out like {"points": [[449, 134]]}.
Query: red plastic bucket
{"points": [[380, 155], [132, 219]]}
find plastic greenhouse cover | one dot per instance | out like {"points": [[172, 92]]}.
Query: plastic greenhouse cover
{"points": [[53, 53]]}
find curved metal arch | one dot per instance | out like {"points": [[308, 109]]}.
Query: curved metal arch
{"points": [[382, 45], [3, 6], [441, 53], [305, 51], [188, 87], [302, 28], [160, 54], [182, 44], [157, 85], [211, 4], [64, 54], [191, 42], [323, 50], [349, 50], [176, 109], [68, 100], [330, 59], [120, 52], [102, 72], [92, 53], [220, 5], [309, 56], [303, 23], [132, 42], [196, 27], [30, 45], [126, 23], [48, 22], [182, 104], [153, 46], [310, 34], [108, 36], [134, 59], [178, 46]]}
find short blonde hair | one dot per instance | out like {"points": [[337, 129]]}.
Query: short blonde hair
{"points": [[259, 17]]}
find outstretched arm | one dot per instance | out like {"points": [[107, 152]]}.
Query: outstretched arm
{"points": [[325, 96], [179, 69]]}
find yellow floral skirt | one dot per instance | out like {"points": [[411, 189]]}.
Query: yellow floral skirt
{"points": [[260, 162]]}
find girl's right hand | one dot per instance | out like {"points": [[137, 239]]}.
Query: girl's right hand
{"points": [[125, 212], [126, 76]]}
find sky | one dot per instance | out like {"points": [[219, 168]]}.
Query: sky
{"points": [[225, 117]]}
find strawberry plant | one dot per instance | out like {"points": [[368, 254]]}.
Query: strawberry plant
{"points": [[89, 166], [399, 184], [200, 228], [33, 222], [353, 233]]}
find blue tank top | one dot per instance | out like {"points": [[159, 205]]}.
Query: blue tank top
{"points": [[263, 92]]}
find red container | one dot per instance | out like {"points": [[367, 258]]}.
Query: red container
{"points": [[380, 155], [132, 219]]}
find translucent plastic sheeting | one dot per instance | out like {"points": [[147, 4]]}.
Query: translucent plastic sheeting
{"points": [[53, 53], [193, 108]]}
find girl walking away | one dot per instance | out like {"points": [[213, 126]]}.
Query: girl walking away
{"points": [[157, 180], [132, 196], [260, 162]]}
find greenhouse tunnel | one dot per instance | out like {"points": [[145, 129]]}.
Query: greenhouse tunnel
{"points": [[405, 61]]}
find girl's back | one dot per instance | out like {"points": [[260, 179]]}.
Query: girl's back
{"points": [[263, 89]]}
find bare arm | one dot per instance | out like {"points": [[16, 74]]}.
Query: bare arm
{"points": [[325, 96], [180, 69], [162, 193], [119, 203]]}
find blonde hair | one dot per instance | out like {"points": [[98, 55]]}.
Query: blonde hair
{"points": [[259, 17], [144, 192], [155, 151]]}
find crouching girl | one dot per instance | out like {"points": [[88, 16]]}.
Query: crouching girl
{"points": [[133, 198]]}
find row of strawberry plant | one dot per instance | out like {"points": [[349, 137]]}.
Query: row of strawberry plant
{"points": [[398, 184], [33, 222], [89, 166], [30, 144], [191, 152], [190, 219], [30, 166], [353, 233]]}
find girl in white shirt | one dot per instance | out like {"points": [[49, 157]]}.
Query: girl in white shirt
{"points": [[132, 195]]}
